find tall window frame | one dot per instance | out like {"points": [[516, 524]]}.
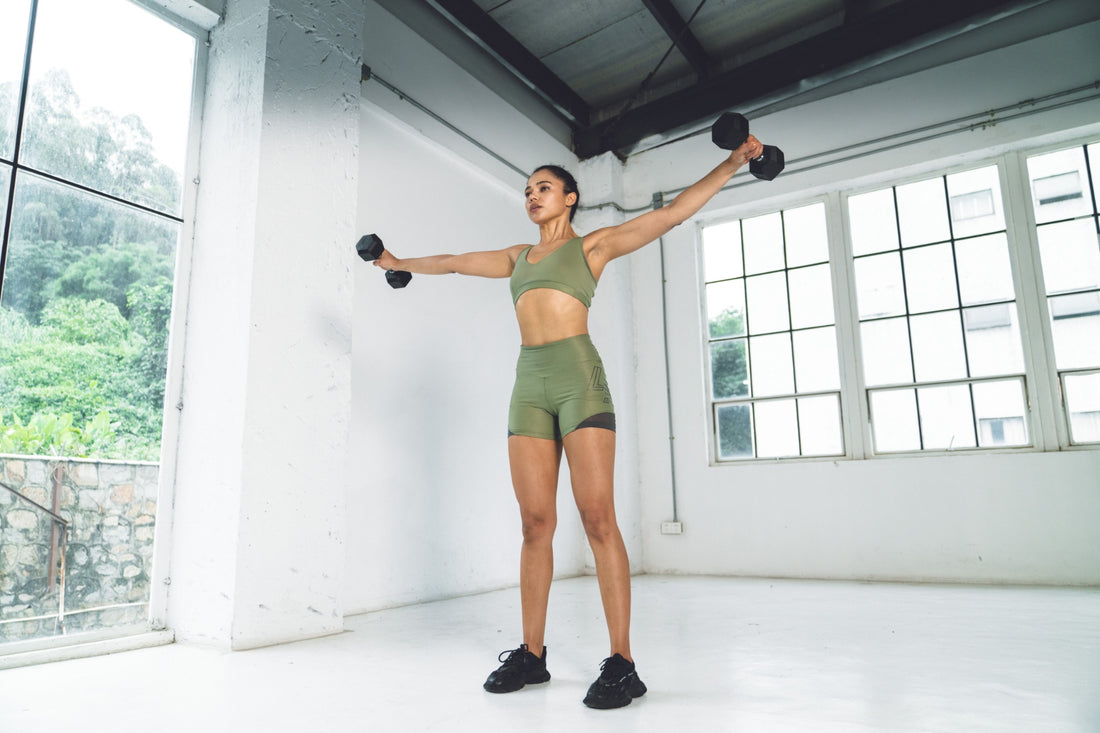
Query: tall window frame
{"points": [[13, 167], [1044, 422]]}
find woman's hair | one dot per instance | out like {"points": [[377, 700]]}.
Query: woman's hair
{"points": [[569, 184]]}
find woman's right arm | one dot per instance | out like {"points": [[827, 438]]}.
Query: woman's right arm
{"points": [[496, 263]]}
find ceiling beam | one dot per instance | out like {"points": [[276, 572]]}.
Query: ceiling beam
{"points": [[512, 53], [686, 42], [859, 38]]}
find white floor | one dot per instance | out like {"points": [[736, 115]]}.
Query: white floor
{"points": [[718, 654]]}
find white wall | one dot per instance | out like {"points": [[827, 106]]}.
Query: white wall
{"points": [[256, 522], [1021, 518], [431, 512]]}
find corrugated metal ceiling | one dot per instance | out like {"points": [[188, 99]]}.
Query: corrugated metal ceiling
{"points": [[619, 71]]}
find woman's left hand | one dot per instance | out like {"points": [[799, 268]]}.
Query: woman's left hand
{"points": [[751, 148]]}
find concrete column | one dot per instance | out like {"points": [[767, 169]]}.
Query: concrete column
{"points": [[257, 551], [611, 323]]}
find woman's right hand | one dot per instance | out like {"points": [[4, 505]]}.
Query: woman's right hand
{"points": [[387, 261]]}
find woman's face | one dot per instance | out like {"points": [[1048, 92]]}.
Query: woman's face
{"points": [[545, 196]]}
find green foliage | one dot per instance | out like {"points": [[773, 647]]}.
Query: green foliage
{"points": [[31, 268], [730, 378], [87, 289], [54, 435], [83, 359]]}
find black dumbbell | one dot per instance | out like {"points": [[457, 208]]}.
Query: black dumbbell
{"points": [[732, 130], [370, 248]]}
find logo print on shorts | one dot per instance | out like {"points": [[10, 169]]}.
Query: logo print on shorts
{"points": [[597, 383]]}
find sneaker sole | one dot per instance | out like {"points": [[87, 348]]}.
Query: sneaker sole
{"points": [[503, 690]]}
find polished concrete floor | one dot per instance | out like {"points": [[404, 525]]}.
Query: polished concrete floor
{"points": [[718, 654]]}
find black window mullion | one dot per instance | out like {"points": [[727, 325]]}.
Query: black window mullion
{"points": [[21, 108]]}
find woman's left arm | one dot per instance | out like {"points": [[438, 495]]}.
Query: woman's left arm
{"points": [[632, 235]]}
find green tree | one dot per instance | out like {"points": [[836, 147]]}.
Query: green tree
{"points": [[110, 272], [32, 267], [730, 378], [87, 283], [82, 360]]}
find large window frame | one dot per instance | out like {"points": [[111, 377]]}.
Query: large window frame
{"points": [[1046, 416], [153, 630]]}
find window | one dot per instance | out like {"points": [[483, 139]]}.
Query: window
{"points": [[774, 367], [940, 341], [93, 141], [1064, 200], [934, 282]]}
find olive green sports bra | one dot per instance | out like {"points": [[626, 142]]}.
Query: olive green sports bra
{"points": [[564, 269]]}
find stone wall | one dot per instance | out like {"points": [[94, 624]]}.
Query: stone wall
{"points": [[111, 510]]}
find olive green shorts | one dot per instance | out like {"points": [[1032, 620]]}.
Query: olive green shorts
{"points": [[560, 387]]}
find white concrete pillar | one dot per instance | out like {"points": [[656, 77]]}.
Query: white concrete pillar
{"points": [[611, 323], [257, 539]]}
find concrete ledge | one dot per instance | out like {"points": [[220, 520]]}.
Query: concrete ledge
{"points": [[59, 649]]}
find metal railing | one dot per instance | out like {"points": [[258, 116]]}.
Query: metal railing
{"points": [[55, 571]]}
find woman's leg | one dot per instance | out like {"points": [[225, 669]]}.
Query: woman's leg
{"points": [[591, 455], [535, 463]]}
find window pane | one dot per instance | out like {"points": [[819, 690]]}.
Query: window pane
{"points": [[734, 431], [937, 347], [816, 365], [975, 200], [879, 288], [1076, 330], [125, 103], [726, 308], [1000, 409], [729, 371], [1083, 400], [722, 251], [807, 236], [1071, 256], [762, 367], [767, 303], [819, 426], [98, 312], [946, 418], [763, 244], [993, 343], [922, 213], [772, 365], [811, 296], [985, 272], [14, 16], [873, 222], [1059, 185], [930, 279], [894, 420], [885, 349], [776, 429]]}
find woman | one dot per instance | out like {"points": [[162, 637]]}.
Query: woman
{"points": [[561, 401]]}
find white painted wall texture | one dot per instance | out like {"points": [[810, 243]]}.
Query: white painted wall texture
{"points": [[259, 510]]}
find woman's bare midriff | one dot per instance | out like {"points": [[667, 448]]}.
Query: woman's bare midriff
{"points": [[547, 315]]}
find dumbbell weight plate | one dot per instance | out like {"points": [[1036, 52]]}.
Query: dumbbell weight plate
{"points": [[768, 165], [398, 278]]}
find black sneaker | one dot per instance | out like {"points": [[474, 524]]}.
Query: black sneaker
{"points": [[519, 669], [616, 686]]}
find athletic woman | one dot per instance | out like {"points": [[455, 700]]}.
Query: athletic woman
{"points": [[561, 401]]}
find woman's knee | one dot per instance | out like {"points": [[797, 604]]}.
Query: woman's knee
{"points": [[538, 526], [599, 523]]}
